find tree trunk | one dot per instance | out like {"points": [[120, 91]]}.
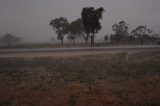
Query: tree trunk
{"points": [[93, 39], [142, 40], [62, 41], [86, 38], [74, 43]]}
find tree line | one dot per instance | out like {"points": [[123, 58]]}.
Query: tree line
{"points": [[85, 27], [140, 35], [9, 39], [89, 24]]}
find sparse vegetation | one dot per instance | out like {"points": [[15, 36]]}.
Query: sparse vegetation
{"points": [[112, 79]]}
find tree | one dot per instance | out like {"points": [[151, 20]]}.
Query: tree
{"points": [[106, 38], [9, 39], [60, 26], [91, 17], [141, 33], [121, 32], [75, 30]]}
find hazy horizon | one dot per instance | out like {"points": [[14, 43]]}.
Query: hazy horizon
{"points": [[29, 19]]}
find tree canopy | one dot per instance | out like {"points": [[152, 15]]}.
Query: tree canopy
{"points": [[141, 33], [91, 20], [121, 31], [60, 26], [75, 29], [89, 24]]}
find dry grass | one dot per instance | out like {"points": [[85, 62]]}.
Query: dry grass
{"points": [[90, 80]]}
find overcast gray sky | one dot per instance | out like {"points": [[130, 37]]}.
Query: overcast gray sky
{"points": [[30, 19]]}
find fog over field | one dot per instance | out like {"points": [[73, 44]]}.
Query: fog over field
{"points": [[29, 19]]}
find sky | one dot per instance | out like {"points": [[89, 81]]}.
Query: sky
{"points": [[29, 19]]}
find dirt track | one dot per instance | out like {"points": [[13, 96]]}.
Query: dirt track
{"points": [[73, 53], [60, 52]]}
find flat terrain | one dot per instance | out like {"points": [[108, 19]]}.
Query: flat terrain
{"points": [[68, 51], [127, 77]]}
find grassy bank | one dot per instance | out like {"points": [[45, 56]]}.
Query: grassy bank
{"points": [[93, 80]]}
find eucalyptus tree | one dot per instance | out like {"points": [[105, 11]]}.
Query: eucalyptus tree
{"points": [[121, 31], [60, 26], [75, 30], [91, 21], [141, 33]]}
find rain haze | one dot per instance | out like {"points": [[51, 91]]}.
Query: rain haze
{"points": [[29, 19], [79, 52]]}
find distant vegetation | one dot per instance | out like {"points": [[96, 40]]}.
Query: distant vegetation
{"points": [[89, 24], [86, 26], [84, 29], [9, 39], [140, 35], [60, 26]]}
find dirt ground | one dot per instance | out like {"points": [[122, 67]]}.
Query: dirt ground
{"points": [[76, 53], [113, 79]]}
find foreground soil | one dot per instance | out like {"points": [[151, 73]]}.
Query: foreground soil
{"points": [[119, 79]]}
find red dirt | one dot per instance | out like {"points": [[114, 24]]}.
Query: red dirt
{"points": [[144, 91]]}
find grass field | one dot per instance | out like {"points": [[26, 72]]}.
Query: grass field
{"points": [[119, 79]]}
